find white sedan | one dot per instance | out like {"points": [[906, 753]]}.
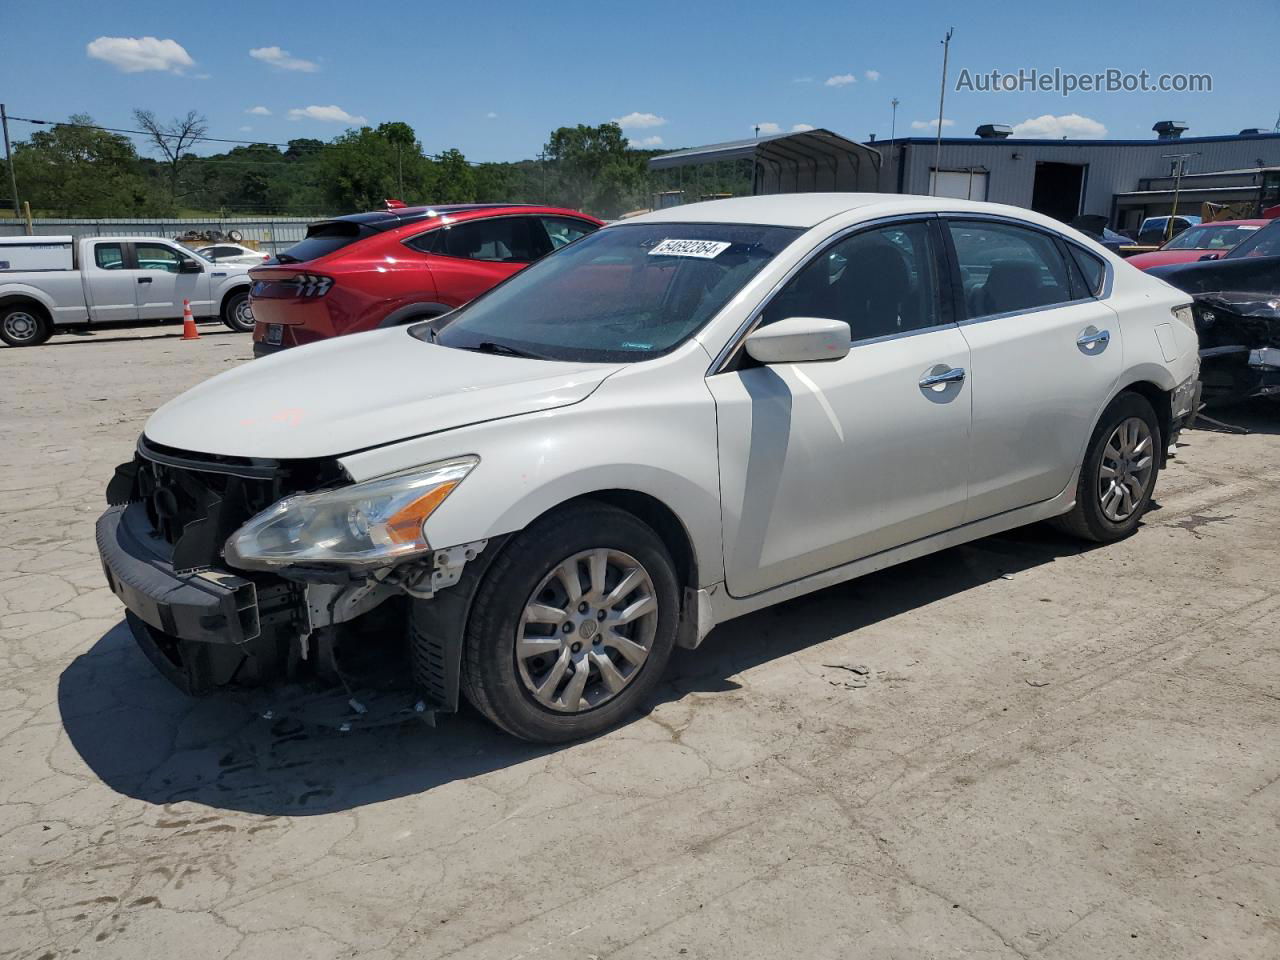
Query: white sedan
{"points": [[233, 253], [677, 420]]}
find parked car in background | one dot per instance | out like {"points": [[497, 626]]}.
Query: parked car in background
{"points": [[1251, 265], [1155, 231], [1199, 242], [233, 253], [1237, 315], [371, 270], [676, 420], [48, 282]]}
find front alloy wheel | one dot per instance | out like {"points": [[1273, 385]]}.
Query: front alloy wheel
{"points": [[572, 624], [586, 630]]}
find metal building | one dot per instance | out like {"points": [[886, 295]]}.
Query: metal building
{"points": [[1065, 178], [801, 162]]}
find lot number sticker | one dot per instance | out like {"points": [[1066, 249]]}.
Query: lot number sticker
{"points": [[703, 249]]}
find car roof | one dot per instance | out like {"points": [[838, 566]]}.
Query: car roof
{"points": [[380, 220], [1233, 223], [809, 209]]}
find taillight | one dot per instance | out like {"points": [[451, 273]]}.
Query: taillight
{"points": [[1186, 315], [312, 284]]}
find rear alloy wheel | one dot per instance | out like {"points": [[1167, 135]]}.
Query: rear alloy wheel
{"points": [[237, 314], [572, 626], [1119, 472], [24, 327]]}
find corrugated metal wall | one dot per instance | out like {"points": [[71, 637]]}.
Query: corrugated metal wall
{"points": [[270, 234], [1112, 167]]}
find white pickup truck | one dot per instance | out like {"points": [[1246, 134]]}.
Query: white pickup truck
{"points": [[48, 282]]}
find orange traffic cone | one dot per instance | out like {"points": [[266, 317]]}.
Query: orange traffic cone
{"points": [[189, 331]]}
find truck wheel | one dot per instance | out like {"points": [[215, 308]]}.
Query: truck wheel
{"points": [[237, 314], [572, 626], [24, 326], [1119, 473]]}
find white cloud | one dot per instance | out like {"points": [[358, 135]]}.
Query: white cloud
{"points": [[136, 54], [841, 80], [802, 127], [930, 124], [491, 115], [639, 121], [245, 129], [1049, 127], [330, 114], [872, 75], [259, 111], [283, 60], [766, 128], [645, 142]]}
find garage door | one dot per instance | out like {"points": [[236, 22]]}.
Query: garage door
{"points": [[958, 184]]}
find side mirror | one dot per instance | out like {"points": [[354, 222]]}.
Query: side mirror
{"points": [[1210, 256], [798, 340], [189, 266]]}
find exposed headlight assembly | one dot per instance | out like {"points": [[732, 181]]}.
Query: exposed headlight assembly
{"points": [[370, 524]]}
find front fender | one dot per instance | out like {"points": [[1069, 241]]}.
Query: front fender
{"points": [[658, 443]]}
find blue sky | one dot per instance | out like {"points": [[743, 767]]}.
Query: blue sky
{"points": [[492, 79]]}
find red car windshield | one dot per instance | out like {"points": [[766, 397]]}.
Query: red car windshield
{"points": [[1211, 236]]}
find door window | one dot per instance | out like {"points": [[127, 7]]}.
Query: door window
{"points": [[881, 282], [1008, 269], [565, 230], [109, 256], [502, 239], [152, 256]]}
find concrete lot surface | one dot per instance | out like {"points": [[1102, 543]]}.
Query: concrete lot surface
{"points": [[1054, 752]]}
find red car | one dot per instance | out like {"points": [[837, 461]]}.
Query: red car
{"points": [[1195, 242], [371, 270]]}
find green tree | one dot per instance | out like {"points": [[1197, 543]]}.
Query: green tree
{"points": [[74, 170], [173, 140], [401, 136], [359, 170], [595, 169], [453, 180]]}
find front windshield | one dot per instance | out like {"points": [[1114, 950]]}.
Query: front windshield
{"points": [[1264, 243], [626, 293], [1210, 237]]}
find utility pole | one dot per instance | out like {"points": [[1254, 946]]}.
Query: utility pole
{"points": [[1179, 159], [942, 99], [8, 162]]}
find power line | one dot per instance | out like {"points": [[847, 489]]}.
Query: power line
{"points": [[176, 136]]}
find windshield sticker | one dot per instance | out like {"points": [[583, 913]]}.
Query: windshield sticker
{"points": [[703, 249]]}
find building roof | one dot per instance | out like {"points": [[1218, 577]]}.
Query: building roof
{"points": [[1013, 141], [820, 142]]}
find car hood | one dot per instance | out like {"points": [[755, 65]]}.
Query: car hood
{"points": [[360, 391], [1161, 258]]}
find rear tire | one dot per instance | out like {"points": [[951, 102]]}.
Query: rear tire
{"points": [[24, 326], [1119, 473], [237, 314], [533, 695]]}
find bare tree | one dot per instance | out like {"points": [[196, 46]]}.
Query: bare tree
{"points": [[172, 140]]}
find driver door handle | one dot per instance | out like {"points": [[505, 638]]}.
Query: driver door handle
{"points": [[144, 279], [954, 375]]}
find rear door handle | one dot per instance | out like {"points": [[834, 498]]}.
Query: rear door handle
{"points": [[1097, 337], [144, 279], [954, 375]]}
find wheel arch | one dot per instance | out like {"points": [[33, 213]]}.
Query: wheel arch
{"points": [[230, 292], [1161, 401], [24, 298]]}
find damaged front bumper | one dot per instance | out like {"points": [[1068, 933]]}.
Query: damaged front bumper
{"points": [[1239, 345], [207, 626]]}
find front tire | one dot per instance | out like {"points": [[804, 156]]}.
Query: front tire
{"points": [[24, 326], [1119, 472], [572, 626], [237, 314]]}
